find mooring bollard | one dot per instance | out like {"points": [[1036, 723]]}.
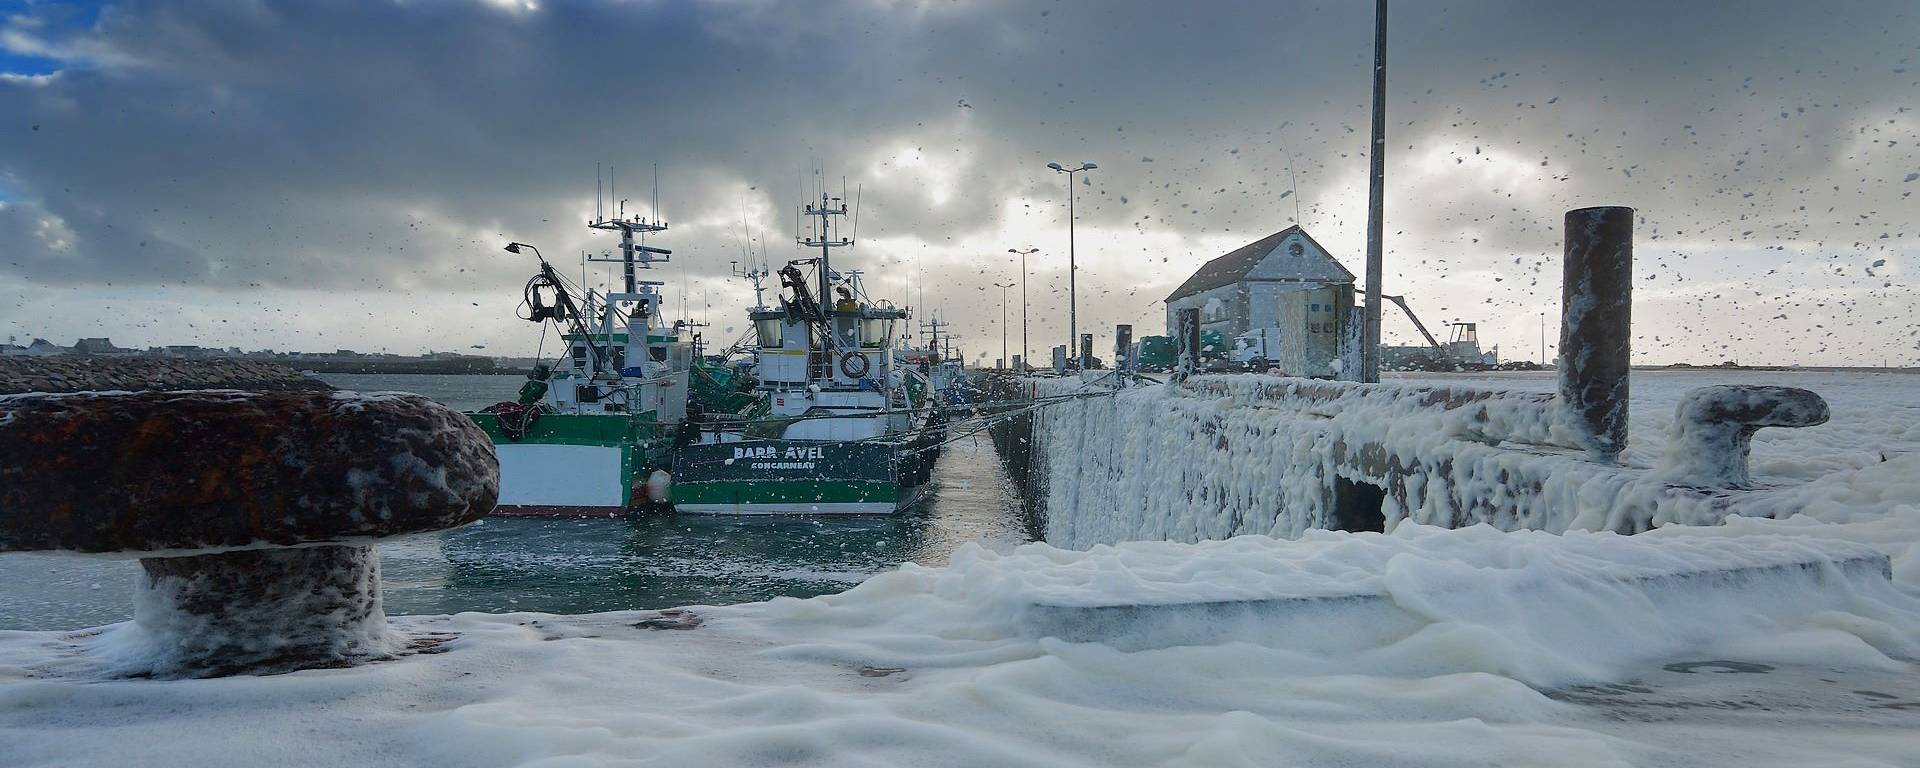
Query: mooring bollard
{"points": [[1187, 337], [1712, 433], [1596, 303], [253, 514]]}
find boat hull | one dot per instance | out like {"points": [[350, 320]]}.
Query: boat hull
{"points": [[797, 477], [573, 465]]}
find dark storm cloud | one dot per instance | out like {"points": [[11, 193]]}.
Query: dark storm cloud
{"points": [[392, 146]]}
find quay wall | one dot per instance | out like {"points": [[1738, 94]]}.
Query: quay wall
{"points": [[1220, 456]]}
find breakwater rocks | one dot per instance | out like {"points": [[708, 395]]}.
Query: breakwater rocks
{"points": [[140, 374]]}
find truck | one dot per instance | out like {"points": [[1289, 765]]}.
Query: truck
{"points": [[1256, 349], [1155, 354], [1159, 354]]}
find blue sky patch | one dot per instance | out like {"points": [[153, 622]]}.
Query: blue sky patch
{"points": [[49, 20]]}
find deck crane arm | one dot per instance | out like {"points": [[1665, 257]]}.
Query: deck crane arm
{"points": [[1402, 302]]}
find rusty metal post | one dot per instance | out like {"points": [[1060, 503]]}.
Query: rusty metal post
{"points": [[1596, 302], [1086, 351], [1376, 195], [1122, 347], [252, 514], [1187, 343]]}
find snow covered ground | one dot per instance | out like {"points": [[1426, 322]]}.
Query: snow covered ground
{"points": [[1423, 646], [1483, 648]]}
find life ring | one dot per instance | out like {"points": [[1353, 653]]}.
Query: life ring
{"points": [[855, 364]]}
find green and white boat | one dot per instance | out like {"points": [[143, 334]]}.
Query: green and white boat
{"points": [[593, 433], [841, 425]]}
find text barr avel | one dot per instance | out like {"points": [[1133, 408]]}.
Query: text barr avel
{"points": [[774, 452]]}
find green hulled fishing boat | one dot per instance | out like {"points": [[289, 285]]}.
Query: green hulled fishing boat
{"points": [[836, 424], [592, 433]]}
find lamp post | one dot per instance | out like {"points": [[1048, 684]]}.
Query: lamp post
{"points": [[1026, 354], [1543, 339], [515, 248], [1376, 192], [1073, 304], [1004, 360]]}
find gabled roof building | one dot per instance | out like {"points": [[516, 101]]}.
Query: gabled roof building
{"points": [[1286, 284], [1288, 256]]}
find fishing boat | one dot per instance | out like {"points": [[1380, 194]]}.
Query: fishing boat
{"points": [[592, 432], [945, 368], [839, 423]]}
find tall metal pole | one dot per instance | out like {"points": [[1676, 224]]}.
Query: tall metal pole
{"points": [[1376, 190], [1026, 352], [1006, 361], [1073, 269]]}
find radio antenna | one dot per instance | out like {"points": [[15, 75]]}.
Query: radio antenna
{"points": [[856, 211], [1293, 184]]}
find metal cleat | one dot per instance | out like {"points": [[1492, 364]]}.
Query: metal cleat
{"points": [[1713, 428]]}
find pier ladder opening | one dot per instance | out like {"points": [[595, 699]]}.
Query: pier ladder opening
{"points": [[1357, 506]]}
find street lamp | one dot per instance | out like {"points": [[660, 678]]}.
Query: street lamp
{"points": [[1543, 339], [1007, 361], [1073, 304], [1025, 353], [515, 248]]}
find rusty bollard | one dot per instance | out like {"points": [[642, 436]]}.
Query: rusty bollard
{"points": [[252, 514], [1596, 326], [1712, 432]]}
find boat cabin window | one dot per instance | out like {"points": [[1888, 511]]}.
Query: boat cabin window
{"points": [[579, 356], [682, 357], [769, 330], [845, 330], [876, 333]]}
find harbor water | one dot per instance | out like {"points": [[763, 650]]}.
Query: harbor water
{"points": [[578, 566]]}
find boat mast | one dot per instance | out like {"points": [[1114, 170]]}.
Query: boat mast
{"points": [[932, 327], [633, 253], [826, 211], [757, 276]]}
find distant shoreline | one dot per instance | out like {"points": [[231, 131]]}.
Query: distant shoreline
{"points": [[1702, 369], [1777, 368]]}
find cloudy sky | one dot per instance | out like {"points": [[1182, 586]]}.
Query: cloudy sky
{"points": [[343, 174]]}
